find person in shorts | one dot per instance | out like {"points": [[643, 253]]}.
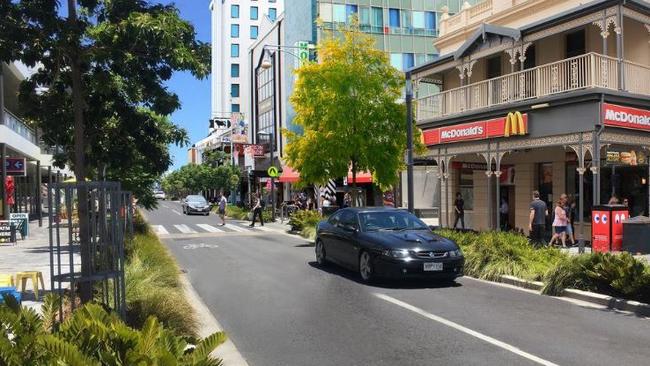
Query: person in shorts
{"points": [[537, 216], [223, 202], [559, 223]]}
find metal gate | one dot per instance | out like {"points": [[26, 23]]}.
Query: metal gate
{"points": [[91, 258]]}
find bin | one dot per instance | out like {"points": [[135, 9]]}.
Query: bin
{"points": [[607, 227], [636, 235]]}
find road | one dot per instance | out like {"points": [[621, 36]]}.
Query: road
{"points": [[280, 308]]}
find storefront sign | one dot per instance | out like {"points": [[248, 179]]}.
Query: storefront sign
{"points": [[626, 117], [258, 150], [239, 139], [513, 124], [507, 171], [7, 232], [249, 158], [629, 157]]}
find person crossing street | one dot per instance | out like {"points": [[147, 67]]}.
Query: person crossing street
{"points": [[257, 210]]}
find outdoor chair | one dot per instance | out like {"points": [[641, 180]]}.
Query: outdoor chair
{"points": [[34, 276]]}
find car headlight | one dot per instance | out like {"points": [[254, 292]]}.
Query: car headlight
{"points": [[455, 253], [396, 253]]}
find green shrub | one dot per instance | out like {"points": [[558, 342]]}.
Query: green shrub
{"points": [[236, 212], [490, 255], [92, 336], [619, 275], [303, 219], [153, 286]]}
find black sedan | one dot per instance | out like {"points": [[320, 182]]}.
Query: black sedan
{"points": [[387, 243], [195, 204]]}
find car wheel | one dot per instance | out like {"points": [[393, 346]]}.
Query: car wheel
{"points": [[320, 253], [365, 267]]}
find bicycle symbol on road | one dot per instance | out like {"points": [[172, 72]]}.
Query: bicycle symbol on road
{"points": [[200, 245]]}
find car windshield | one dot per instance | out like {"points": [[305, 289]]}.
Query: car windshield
{"points": [[391, 220], [196, 199]]}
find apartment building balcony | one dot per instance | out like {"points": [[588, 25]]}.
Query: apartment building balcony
{"points": [[587, 71]]}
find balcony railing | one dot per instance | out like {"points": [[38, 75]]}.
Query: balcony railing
{"points": [[591, 70], [17, 125]]}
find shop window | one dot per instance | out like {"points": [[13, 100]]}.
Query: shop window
{"points": [[573, 189], [575, 43], [466, 187]]}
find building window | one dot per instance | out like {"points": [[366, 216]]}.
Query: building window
{"points": [[339, 13], [575, 43], [364, 16], [234, 107], [234, 90], [254, 31], [273, 14], [377, 19], [493, 67], [407, 20], [325, 12], [393, 18], [408, 60], [429, 20], [350, 10], [234, 50], [234, 70], [234, 30], [396, 60], [265, 99], [234, 11], [254, 11]]}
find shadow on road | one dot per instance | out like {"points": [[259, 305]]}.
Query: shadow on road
{"points": [[306, 245], [385, 283]]}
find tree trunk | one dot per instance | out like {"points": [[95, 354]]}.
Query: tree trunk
{"points": [[354, 183], [86, 291]]}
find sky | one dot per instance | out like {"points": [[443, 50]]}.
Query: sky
{"points": [[194, 94]]}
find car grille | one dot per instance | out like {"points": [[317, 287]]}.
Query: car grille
{"points": [[431, 254]]}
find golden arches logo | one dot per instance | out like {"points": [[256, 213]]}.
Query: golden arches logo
{"points": [[514, 125]]}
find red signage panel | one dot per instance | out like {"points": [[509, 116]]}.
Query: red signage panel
{"points": [[626, 117], [600, 230], [513, 124]]}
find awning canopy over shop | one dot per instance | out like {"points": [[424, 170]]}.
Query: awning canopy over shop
{"points": [[291, 176]]}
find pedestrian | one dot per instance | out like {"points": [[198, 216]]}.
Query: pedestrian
{"points": [[537, 219], [257, 209], [503, 211], [459, 208], [559, 223], [347, 200], [614, 200], [223, 201], [570, 209]]}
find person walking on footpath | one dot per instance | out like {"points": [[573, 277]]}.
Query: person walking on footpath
{"points": [[223, 201], [459, 208], [537, 222], [559, 223], [503, 211], [257, 210]]}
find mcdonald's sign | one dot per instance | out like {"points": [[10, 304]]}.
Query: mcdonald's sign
{"points": [[513, 124]]}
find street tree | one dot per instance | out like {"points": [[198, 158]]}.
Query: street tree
{"points": [[196, 178], [348, 105], [99, 91]]}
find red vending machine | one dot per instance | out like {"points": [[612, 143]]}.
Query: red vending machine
{"points": [[607, 227]]}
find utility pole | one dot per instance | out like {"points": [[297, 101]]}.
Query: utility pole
{"points": [[409, 142]]}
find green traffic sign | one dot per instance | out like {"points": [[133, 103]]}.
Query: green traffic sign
{"points": [[273, 172]]}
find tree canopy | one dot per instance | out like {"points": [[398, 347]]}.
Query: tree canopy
{"points": [[348, 106], [195, 178], [100, 82]]}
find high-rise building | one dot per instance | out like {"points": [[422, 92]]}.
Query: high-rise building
{"points": [[235, 26]]}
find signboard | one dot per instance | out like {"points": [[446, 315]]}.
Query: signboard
{"points": [[273, 172], [249, 158], [21, 216], [626, 157], [514, 124], [239, 139], [626, 117], [258, 150], [303, 53], [507, 171], [7, 232], [15, 166]]}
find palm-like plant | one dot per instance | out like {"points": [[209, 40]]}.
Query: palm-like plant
{"points": [[94, 336]]}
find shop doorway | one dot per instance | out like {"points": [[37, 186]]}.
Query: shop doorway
{"points": [[507, 208]]}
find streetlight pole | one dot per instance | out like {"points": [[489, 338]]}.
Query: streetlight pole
{"points": [[272, 178], [409, 142]]}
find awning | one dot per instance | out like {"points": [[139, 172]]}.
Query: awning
{"points": [[362, 177], [289, 175]]}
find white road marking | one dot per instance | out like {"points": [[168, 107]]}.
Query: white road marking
{"points": [[185, 229], [236, 228], [465, 330], [177, 213], [159, 229], [209, 228], [264, 228], [200, 245]]}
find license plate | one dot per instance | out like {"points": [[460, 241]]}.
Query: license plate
{"points": [[434, 266]]}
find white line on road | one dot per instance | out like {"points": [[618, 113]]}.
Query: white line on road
{"points": [[209, 228], [177, 213], [185, 229], [159, 229], [465, 330], [236, 228]]}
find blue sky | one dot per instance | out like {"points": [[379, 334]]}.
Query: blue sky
{"points": [[194, 94]]}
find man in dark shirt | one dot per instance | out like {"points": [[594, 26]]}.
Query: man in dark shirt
{"points": [[459, 209], [537, 224]]}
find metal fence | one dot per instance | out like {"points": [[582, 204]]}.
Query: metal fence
{"points": [[87, 260]]}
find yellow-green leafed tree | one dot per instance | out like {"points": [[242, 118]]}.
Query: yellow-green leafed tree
{"points": [[348, 107]]}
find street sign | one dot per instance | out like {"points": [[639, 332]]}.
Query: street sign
{"points": [[15, 166], [21, 216], [273, 172], [7, 232], [303, 52]]}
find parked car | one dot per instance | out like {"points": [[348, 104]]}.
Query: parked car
{"points": [[160, 195], [386, 243], [195, 204]]}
